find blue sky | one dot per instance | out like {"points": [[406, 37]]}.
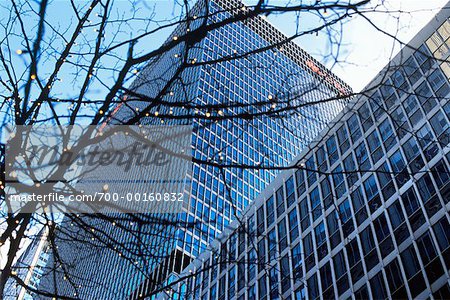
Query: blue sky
{"points": [[366, 50], [364, 53]]}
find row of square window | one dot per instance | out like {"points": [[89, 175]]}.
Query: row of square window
{"points": [[438, 122], [291, 179], [409, 203], [385, 181], [270, 83], [418, 259], [273, 36], [370, 186]]}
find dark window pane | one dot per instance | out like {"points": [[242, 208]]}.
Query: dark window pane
{"points": [[272, 244], [313, 289], [290, 191], [297, 261], [410, 201], [365, 116], [359, 206], [282, 235], [362, 293], [285, 274], [370, 187], [410, 262], [426, 248], [378, 288], [280, 201], [262, 287], [333, 155], [387, 134], [394, 276], [350, 168], [417, 284], [411, 70], [311, 171], [315, 203], [424, 58], [346, 217], [338, 180], [400, 123], [362, 158], [260, 217], [300, 293], [383, 235], [439, 123], [273, 282], [342, 135], [396, 214], [327, 196], [425, 187], [441, 174], [304, 214], [368, 246], [309, 254], [399, 167], [401, 232], [325, 276], [385, 180], [437, 80], [424, 95], [320, 234], [375, 146], [354, 259], [353, 125], [333, 229], [411, 149], [270, 211], [442, 231], [293, 225], [339, 265], [300, 181], [411, 105]]}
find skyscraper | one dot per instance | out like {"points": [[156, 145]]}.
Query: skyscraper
{"points": [[29, 268], [364, 214], [275, 75]]}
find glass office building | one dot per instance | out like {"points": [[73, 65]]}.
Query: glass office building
{"points": [[282, 75], [365, 212], [29, 268], [282, 72]]}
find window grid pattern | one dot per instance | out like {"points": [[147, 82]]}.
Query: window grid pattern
{"points": [[383, 234]]}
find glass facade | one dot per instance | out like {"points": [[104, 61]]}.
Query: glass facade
{"points": [[30, 267], [365, 214], [285, 74]]}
